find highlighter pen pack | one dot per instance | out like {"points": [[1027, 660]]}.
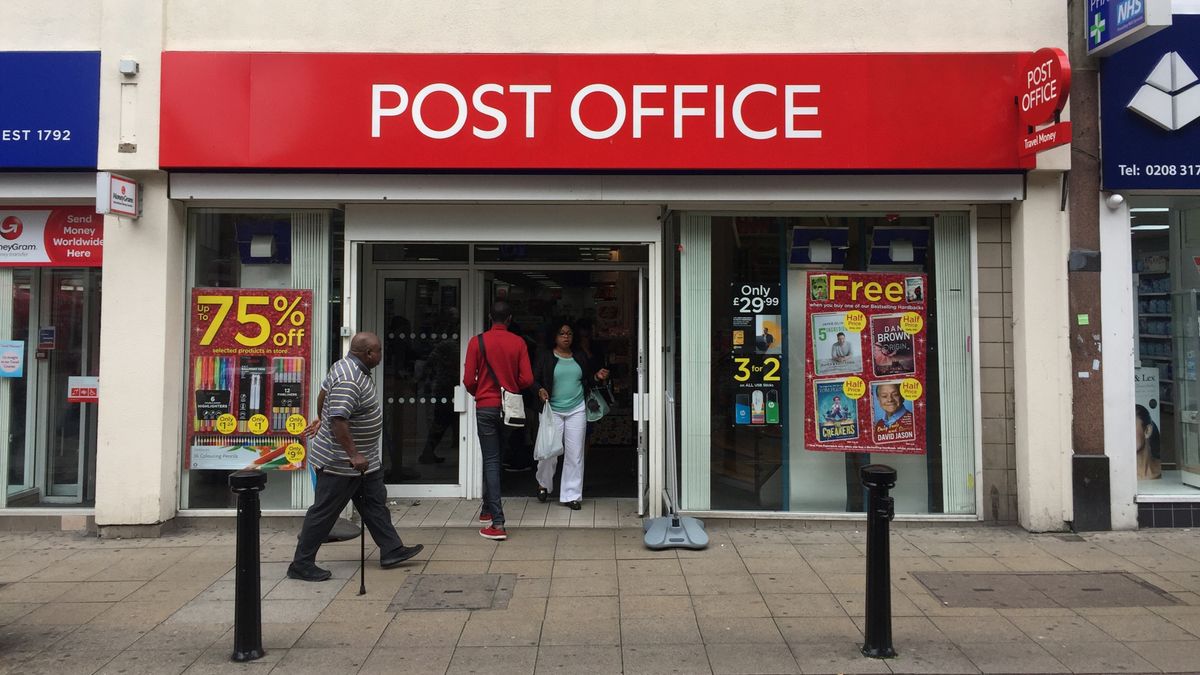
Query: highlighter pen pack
{"points": [[213, 380]]}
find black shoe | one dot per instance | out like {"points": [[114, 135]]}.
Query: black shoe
{"points": [[543, 494], [430, 459], [400, 555], [310, 573], [574, 506]]}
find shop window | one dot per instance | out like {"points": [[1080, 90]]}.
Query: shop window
{"points": [[745, 376], [1165, 245], [267, 250]]}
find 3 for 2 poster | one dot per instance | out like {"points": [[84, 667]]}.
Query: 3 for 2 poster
{"points": [[865, 362]]}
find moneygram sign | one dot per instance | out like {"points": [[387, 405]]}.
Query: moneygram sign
{"points": [[64, 236]]}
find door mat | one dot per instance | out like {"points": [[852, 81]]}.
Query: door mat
{"points": [[1032, 590], [454, 591]]}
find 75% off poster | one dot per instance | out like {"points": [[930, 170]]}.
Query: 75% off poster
{"points": [[249, 358]]}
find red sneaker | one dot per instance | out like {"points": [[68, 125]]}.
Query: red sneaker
{"points": [[485, 517], [496, 533]]}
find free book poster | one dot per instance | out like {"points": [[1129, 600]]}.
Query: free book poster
{"points": [[891, 347], [836, 413], [836, 351], [892, 418]]}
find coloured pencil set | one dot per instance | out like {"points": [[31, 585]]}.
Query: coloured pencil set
{"points": [[268, 452], [243, 387], [287, 389]]}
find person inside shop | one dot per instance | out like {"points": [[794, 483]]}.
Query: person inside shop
{"points": [[1148, 443], [439, 374], [892, 411], [502, 362], [840, 351], [345, 451], [563, 377]]}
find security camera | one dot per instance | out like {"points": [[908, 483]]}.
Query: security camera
{"points": [[1114, 201]]}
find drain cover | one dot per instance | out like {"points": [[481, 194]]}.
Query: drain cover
{"points": [[454, 591], [1030, 590]]}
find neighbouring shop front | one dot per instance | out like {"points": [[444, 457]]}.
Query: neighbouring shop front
{"points": [[1150, 108], [51, 252], [773, 325]]}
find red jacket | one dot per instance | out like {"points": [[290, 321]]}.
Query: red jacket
{"points": [[509, 359]]}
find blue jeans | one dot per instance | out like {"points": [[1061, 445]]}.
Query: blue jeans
{"points": [[491, 428]]}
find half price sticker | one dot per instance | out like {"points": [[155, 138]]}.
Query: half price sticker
{"points": [[854, 387], [856, 321], [911, 323]]}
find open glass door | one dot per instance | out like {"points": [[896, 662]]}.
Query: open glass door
{"points": [[641, 396], [419, 319]]}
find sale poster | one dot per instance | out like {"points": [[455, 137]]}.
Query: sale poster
{"points": [[249, 361], [757, 343], [865, 362]]}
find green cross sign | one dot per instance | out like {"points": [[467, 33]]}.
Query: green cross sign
{"points": [[1097, 29]]}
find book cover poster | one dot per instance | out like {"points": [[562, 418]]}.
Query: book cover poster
{"points": [[837, 413], [865, 362], [836, 349], [892, 417], [892, 350]]}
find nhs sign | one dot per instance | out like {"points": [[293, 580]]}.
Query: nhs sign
{"points": [[1115, 24]]}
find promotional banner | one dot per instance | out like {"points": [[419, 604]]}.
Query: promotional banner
{"points": [[49, 109], [1150, 104], [865, 362], [249, 361], [894, 111], [57, 236], [757, 345], [12, 358]]}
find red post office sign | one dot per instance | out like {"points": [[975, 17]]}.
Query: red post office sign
{"points": [[1044, 86], [592, 111]]}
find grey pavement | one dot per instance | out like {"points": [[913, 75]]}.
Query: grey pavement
{"points": [[783, 597]]}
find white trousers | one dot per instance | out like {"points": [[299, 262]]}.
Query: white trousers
{"points": [[572, 426]]}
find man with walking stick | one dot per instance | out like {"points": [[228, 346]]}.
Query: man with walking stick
{"points": [[346, 455]]}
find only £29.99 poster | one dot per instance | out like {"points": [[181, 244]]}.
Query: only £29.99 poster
{"points": [[248, 363], [865, 362]]}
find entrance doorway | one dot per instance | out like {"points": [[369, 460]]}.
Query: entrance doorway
{"points": [[425, 304], [49, 434], [603, 306]]}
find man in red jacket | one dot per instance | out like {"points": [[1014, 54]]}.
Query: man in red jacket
{"points": [[508, 359]]}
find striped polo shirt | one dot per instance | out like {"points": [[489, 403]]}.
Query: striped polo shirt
{"points": [[349, 394]]}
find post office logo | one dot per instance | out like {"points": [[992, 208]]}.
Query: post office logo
{"points": [[1170, 98]]}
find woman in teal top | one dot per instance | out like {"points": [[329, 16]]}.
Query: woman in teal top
{"points": [[563, 377]]}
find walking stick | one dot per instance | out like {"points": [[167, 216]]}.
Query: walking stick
{"points": [[362, 544]]}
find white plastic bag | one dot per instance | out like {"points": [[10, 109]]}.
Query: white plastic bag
{"points": [[548, 444]]}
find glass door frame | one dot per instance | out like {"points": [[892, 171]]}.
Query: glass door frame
{"points": [[38, 482], [45, 388], [469, 462], [368, 224]]}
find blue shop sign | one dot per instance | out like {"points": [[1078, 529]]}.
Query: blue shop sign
{"points": [[49, 110], [1150, 111]]}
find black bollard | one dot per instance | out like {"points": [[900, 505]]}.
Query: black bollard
{"points": [[878, 479], [247, 607]]}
